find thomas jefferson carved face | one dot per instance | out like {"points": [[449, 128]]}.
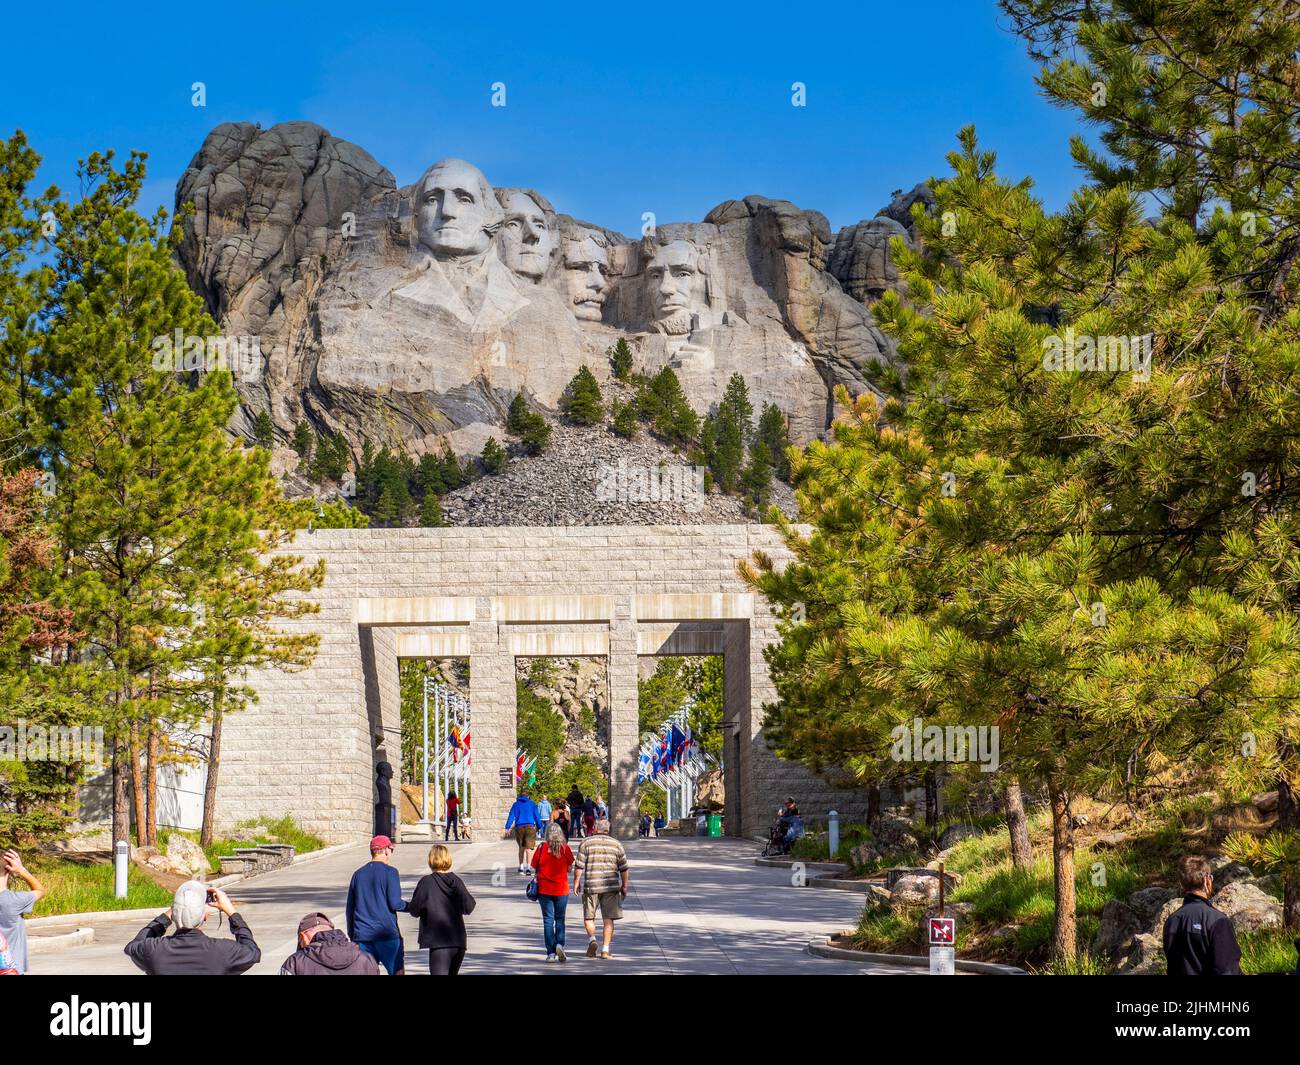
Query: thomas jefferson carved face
{"points": [[456, 213], [677, 285], [584, 276], [527, 236]]}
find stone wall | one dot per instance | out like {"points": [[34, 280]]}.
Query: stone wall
{"points": [[309, 746]]}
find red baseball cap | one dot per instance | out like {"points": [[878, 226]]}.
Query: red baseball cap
{"points": [[381, 843]]}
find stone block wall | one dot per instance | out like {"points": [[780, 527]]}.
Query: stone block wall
{"points": [[309, 746]]}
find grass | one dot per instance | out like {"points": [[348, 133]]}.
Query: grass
{"points": [[283, 830], [1001, 895], [86, 887]]}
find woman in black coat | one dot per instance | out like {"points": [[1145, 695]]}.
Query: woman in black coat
{"points": [[440, 903]]}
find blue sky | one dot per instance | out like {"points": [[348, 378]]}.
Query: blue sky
{"points": [[609, 112]]}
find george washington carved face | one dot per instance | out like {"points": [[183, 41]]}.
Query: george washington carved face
{"points": [[456, 212]]}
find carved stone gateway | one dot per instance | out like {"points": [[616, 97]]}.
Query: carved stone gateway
{"points": [[311, 745], [409, 316]]}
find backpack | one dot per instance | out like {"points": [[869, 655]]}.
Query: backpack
{"points": [[7, 967]]}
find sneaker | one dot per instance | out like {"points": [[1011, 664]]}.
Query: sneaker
{"points": [[592, 949], [560, 955], [550, 957], [606, 955]]}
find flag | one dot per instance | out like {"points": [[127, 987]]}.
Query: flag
{"points": [[643, 768], [675, 740], [519, 765]]}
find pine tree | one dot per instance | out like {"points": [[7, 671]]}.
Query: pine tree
{"points": [[663, 404], [431, 513], [156, 505], [517, 417], [582, 402], [757, 481], [494, 456], [620, 359], [537, 437], [263, 429], [302, 441], [624, 420], [774, 431]]}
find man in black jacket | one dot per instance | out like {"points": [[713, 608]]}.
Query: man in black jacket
{"points": [[1199, 940], [575, 802], [188, 952]]}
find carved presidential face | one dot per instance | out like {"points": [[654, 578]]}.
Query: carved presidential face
{"points": [[456, 213], [526, 237], [677, 286], [584, 274]]}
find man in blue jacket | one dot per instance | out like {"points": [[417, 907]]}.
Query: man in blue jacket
{"points": [[374, 901], [527, 822]]}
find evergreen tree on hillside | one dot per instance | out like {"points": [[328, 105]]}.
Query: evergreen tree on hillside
{"points": [[663, 404], [263, 429], [302, 441], [620, 359], [774, 431], [494, 456], [517, 417], [582, 402], [431, 513], [624, 420], [757, 480]]}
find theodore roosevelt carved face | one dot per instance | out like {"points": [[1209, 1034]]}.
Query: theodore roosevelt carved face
{"points": [[584, 273]]}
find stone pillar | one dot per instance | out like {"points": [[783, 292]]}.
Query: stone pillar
{"points": [[492, 724], [624, 734], [738, 730]]}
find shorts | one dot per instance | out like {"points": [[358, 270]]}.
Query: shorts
{"points": [[526, 836], [388, 952], [609, 902]]}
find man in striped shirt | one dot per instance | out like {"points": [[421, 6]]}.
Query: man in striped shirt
{"points": [[600, 877]]}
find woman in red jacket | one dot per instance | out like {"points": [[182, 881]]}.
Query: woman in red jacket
{"points": [[552, 862]]}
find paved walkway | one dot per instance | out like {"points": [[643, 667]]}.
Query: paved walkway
{"points": [[696, 906]]}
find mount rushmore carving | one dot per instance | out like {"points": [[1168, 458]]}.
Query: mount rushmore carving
{"points": [[413, 315]]}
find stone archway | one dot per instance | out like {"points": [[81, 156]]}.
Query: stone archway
{"points": [[309, 746]]}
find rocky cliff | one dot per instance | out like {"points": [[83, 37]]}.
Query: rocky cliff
{"points": [[409, 316]]}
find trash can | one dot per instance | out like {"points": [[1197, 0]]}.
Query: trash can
{"points": [[715, 824]]}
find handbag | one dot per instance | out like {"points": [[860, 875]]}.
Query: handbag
{"points": [[534, 889]]}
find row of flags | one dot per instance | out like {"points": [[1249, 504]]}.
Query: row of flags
{"points": [[675, 748], [458, 743], [525, 767]]}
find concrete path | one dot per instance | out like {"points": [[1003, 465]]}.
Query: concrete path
{"points": [[696, 906]]}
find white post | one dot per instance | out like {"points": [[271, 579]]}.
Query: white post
{"points": [[834, 833], [121, 852], [424, 818]]}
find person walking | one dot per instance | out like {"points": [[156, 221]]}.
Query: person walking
{"points": [[600, 877], [1199, 939], [552, 861], [453, 817], [562, 818], [440, 903], [188, 951], [575, 812], [323, 950], [543, 815], [13, 904], [374, 901], [588, 816], [526, 822]]}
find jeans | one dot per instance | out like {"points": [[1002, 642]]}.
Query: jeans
{"points": [[553, 910], [452, 827]]}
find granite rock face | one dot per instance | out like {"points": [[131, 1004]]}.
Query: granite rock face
{"points": [[412, 316]]}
